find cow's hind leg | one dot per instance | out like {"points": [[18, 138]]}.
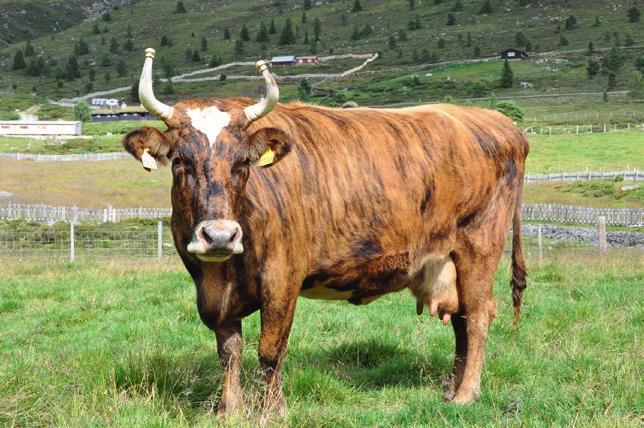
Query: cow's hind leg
{"points": [[230, 347]]}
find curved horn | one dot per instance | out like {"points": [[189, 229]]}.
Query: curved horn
{"points": [[262, 108], [146, 94]]}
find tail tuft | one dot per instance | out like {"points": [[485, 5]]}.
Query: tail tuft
{"points": [[519, 271]]}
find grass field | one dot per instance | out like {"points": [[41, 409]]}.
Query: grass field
{"points": [[123, 183], [121, 344]]}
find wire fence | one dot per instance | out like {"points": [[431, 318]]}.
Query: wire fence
{"points": [[66, 158], [582, 128], [153, 241], [537, 212]]}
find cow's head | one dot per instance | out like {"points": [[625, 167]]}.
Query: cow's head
{"points": [[211, 151]]}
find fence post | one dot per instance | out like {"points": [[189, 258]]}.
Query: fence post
{"points": [[601, 229], [159, 240], [540, 240], [72, 242]]}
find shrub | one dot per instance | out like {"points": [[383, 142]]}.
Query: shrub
{"points": [[82, 112], [511, 110]]}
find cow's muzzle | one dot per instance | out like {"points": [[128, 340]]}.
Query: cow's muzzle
{"points": [[216, 240]]}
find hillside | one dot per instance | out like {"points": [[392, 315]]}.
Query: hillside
{"points": [[109, 48]]}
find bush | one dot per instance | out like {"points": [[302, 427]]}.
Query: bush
{"points": [[511, 110], [82, 112]]}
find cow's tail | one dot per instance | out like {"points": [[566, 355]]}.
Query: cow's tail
{"points": [[519, 271]]}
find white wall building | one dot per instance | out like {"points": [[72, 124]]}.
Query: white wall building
{"points": [[40, 128]]}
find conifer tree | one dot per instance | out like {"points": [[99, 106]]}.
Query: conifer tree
{"points": [[507, 76], [18, 61], [287, 37]]}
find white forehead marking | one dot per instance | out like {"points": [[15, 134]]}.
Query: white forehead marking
{"points": [[210, 121]]}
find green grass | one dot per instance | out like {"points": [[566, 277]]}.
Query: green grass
{"points": [[121, 344], [608, 152], [600, 194]]}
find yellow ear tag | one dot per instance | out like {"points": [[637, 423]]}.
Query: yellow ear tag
{"points": [[148, 161], [267, 158]]}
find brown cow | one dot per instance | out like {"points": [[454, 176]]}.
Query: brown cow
{"points": [[355, 204]]}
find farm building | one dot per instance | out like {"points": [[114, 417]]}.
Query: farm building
{"points": [[103, 116], [282, 61], [40, 128], [513, 54], [290, 60], [307, 60]]}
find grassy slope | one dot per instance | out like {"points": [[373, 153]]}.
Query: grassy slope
{"points": [[122, 345], [493, 33], [124, 183]]}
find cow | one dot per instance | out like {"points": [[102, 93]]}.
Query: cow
{"points": [[275, 201]]}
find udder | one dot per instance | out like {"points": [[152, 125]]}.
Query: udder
{"points": [[436, 287]]}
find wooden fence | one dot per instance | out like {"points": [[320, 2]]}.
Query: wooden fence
{"points": [[635, 175], [66, 158], [537, 212]]}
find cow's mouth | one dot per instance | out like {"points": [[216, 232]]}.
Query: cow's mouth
{"points": [[198, 249]]}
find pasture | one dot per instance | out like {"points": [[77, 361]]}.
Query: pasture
{"points": [[120, 344], [123, 183]]}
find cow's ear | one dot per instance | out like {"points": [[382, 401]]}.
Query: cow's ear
{"points": [[147, 145], [268, 146]]}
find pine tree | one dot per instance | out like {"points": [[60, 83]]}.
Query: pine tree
{"points": [[451, 19], [129, 32], [128, 45], [121, 68], [181, 8], [82, 48], [357, 7], [392, 42], [597, 22], [72, 69], [593, 67], [106, 17], [262, 34], [272, 29], [507, 77], [458, 6], [306, 4], [571, 23], [468, 39], [412, 4], [106, 60], [402, 35], [92, 74], [204, 44], [287, 37], [317, 30], [441, 43], [239, 47], [563, 41], [114, 45], [134, 92], [243, 34], [628, 40], [591, 48], [303, 17], [29, 49], [108, 76], [306, 37], [214, 62], [633, 14], [195, 56], [226, 34], [486, 7], [18, 61], [95, 29], [165, 41]]}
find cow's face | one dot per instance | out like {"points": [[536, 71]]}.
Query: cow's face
{"points": [[211, 151], [211, 156]]}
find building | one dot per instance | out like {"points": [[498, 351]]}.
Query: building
{"points": [[283, 61], [513, 54], [103, 116], [40, 128], [105, 102], [307, 60]]}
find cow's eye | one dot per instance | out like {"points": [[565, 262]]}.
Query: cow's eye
{"points": [[176, 161]]}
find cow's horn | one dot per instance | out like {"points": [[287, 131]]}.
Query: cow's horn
{"points": [[267, 104], [146, 93]]}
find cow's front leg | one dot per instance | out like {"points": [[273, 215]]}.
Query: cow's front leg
{"points": [[277, 317], [230, 346]]}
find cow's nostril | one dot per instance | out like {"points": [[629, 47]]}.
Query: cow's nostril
{"points": [[206, 237], [234, 236]]}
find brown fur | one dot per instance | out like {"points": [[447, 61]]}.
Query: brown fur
{"points": [[357, 201]]}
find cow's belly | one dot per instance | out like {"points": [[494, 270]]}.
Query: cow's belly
{"points": [[358, 282]]}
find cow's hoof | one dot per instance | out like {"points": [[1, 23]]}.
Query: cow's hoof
{"points": [[463, 398], [227, 409], [448, 396]]}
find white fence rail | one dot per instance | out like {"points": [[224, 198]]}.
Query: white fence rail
{"points": [[66, 158], [635, 175], [537, 212], [584, 128]]}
